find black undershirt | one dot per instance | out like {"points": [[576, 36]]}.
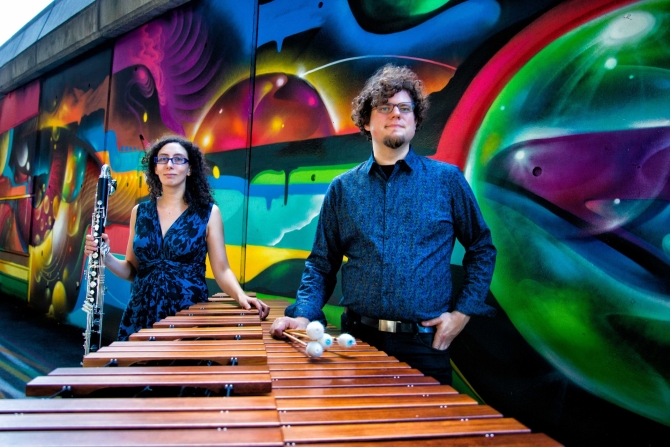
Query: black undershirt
{"points": [[387, 169]]}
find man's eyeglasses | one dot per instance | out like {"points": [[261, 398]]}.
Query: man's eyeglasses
{"points": [[177, 159], [403, 107]]}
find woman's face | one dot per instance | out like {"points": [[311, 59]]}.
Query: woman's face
{"points": [[172, 174]]}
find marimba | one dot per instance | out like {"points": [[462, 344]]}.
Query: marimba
{"points": [[212, 376]]}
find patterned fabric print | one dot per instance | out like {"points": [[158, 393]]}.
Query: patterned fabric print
{"points": [[171, 274], [398, 235]]}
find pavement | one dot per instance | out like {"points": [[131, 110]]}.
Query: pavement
{"points": [[32, 345]]}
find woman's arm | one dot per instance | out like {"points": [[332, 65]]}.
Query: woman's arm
{"points": [[224, 276], [125, 269]]}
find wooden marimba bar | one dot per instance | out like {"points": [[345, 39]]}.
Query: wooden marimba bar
{"points": [[240, 387]]}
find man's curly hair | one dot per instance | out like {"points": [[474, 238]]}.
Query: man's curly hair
{"points": [[386, 82], [198, 190]]}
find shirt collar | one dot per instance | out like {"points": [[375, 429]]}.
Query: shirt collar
{"points": [[410, 161]]}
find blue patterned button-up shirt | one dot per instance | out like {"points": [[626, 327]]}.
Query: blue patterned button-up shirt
{"points": [[398, 235]]}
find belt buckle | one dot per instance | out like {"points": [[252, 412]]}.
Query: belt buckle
{"points": [[388, 326]]}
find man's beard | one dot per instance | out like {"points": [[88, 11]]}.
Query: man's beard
{"points": [[394, 142]]}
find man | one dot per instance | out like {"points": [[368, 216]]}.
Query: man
{"points": [[395, 217]]}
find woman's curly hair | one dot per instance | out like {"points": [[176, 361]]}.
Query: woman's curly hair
{"points": [[198, 190], [386, 82]]}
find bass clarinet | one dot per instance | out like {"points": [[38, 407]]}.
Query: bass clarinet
{"points": [[95, 274]]}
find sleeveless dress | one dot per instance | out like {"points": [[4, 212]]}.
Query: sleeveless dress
{"points": [[171, 273]]}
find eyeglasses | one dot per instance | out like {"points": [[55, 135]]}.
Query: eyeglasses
{"points": [[177, 159], [403, 107]]}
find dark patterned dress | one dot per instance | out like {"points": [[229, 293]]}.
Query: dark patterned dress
{"points": [[171, 273]]}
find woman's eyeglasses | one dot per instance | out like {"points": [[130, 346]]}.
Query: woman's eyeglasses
{"points": [[177, 159]]}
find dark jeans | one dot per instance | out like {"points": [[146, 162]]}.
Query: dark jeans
{"points": [[415, 349]]}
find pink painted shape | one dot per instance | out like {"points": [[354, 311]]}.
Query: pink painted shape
{"points": [[457, 136], [19, 106]]}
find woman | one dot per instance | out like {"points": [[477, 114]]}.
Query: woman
{"points": [[170, 238]]}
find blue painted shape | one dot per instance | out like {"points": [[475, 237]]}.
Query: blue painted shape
{"points": [[123, 160], [462, 27]]}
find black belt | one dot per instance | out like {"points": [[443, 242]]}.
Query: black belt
{"points": [[395, 326]]}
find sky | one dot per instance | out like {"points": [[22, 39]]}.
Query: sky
{"points": [[14, 14]]}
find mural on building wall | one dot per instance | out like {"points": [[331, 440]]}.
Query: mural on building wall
{"points": [[311, 61], [165, 78], [553, 109], [571, 165], [17, 147], [18, 138], [73, 105]]}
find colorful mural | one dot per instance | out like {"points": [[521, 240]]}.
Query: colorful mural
{"points": [[585, 185], [166, 78], [17, 147], [571, 164], [18, 138], [555, 110], [73, 106]]}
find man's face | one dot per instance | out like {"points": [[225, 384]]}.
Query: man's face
{"points": [[394, 129]]}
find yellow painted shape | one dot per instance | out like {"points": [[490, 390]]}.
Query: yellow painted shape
{"points": [[15, 372], [234, 253], [20, 196], [260, 258], [14, 270], [38, 260], [4, 150], [26, 360], [59, 299]]}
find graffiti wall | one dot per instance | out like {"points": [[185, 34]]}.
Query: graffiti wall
{"points": [[557, 112], [18, 138]]}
